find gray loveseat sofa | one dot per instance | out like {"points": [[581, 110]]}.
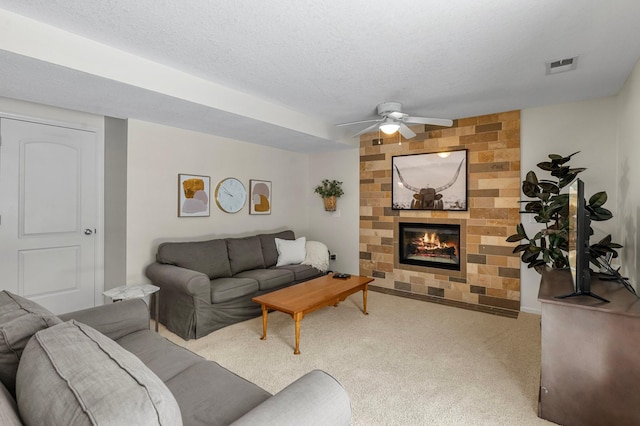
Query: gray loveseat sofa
{"points": [[104, 366], [207, 285]]}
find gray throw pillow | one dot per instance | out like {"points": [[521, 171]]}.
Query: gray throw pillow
{"points": [[20, 319], [73, 374]]}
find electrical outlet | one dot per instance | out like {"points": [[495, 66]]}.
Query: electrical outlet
{"points": [[333, 256]]}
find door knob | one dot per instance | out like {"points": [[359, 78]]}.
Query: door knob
{"points": [[88, 231]]}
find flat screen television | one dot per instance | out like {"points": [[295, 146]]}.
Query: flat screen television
{"points": [[579, 253]]}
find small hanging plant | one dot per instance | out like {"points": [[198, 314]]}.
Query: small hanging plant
{"points": [[329, 188], [550, 246]]}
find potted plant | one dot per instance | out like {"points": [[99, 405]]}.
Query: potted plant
{"points": [[329, 190], [550, 245]]}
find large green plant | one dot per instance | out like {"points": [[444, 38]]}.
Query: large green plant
{"points": [[550, 245]]}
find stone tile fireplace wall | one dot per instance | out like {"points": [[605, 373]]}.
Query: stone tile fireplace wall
{"points": [[492, 275]]}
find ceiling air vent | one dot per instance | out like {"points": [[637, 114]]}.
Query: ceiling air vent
{"points": [[561, 65]]}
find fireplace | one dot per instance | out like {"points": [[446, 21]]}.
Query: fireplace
{"points": [[430, 245]]}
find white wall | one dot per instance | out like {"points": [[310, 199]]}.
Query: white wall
{"points": [[340, 230], [157, 154], [629, 175], [115, 202], [588, 127]]}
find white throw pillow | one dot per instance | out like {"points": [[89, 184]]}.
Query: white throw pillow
{"points": [[291, 252]]}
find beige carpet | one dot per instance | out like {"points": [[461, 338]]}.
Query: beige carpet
{"points": [[408, 362]]}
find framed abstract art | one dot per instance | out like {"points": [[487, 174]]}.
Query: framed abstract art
{"points": [[193, 195], [259, 196]]}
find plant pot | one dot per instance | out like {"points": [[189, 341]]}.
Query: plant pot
{"points": [[330, 204]]}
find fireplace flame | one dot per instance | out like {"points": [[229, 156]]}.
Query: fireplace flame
{"points": [[432, 241]]}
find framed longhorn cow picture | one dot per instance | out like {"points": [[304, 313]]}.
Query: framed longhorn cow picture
{"points": [[433, 181]]}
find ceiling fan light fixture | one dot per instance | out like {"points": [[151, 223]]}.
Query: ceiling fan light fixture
{"points": [[393, 120], [389, 128]]}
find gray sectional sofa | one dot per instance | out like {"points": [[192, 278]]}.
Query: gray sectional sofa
{"points": [[207, 285], [104, 366]]}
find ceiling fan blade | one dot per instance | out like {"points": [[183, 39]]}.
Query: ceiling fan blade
{"points": [[366, 130], [426, 120], [406, 131], [359, 122]]}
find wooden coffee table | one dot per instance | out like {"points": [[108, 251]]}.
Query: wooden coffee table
{"points": [[306, 297]]}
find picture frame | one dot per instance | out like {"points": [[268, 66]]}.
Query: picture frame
{"points": [[430, 181], [259, 197], [194, 195]]}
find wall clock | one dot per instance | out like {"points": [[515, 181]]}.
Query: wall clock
{"points": [[230, 195]]}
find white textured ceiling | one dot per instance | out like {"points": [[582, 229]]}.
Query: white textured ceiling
{"points": [[284, 73]]}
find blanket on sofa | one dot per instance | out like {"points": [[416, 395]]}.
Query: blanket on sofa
{"points": [[317, 255]]}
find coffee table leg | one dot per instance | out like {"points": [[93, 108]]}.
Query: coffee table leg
{"points": [[364, 299], [265, 311], [297, 317]]}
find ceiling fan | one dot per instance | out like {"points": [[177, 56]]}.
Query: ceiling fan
{"points": [[392, 119]]}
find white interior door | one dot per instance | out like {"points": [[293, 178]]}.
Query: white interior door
{"points": [[48, 213]]}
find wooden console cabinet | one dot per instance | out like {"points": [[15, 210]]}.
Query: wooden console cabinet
{"points": [[590, 366]]}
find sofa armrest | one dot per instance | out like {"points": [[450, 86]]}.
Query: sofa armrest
{"points": [[114, 320], [314, 399], [182, 280]]}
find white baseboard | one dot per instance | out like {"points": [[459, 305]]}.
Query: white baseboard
{"points": [[530, 310]]}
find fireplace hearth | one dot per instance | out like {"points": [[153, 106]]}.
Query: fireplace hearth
{"points": [[430, 245]]}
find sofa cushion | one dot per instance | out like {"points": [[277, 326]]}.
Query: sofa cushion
{"points": [[164, 358], [211, 395], [20, 319], [244, 254], [291, 252], [269, 249], [208, 257], [225, 289], [301, 272], [204, 390], [93, 379], [268, 278]]}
